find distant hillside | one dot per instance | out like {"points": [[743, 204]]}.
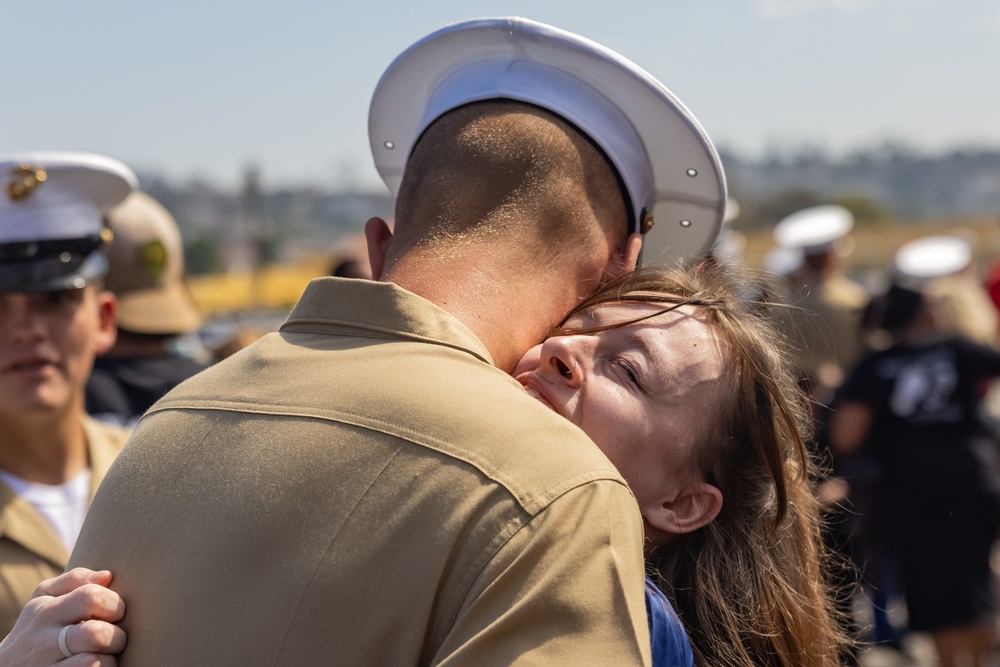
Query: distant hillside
{"points": [[258, 225], [907, 185]]}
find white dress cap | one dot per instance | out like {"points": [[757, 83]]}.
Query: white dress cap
{"points": [[51, 208], [932, 257], [49, 195], [668, 164], [814, 230]]}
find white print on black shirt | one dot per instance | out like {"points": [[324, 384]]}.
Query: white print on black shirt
{"points": [[923, 387]]}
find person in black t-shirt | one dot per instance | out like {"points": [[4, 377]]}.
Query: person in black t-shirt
{"points": [[913, 408]]}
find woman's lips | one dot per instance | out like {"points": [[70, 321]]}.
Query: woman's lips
{"points": [[535, 392]]}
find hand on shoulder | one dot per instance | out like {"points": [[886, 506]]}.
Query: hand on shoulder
{"points": [[69, 620]]}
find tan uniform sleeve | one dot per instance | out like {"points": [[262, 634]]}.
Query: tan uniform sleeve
{"points": [[566, 589]]}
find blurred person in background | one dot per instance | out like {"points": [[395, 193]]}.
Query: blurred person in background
{"points": [[941, 267], [823, 321], [55, 316], [155, 308], [913, 408]]}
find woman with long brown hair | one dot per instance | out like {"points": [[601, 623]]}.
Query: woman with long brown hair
{"points": [[680, 379]]}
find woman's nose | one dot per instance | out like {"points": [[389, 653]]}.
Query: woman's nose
{"points": [[563, 356]]}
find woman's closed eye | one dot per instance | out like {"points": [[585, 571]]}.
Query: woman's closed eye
{"points": [[628, 370]]}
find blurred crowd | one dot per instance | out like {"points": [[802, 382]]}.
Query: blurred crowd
{"points": [[902, 382]]}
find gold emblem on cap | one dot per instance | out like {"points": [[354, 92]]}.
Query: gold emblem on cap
{"points": [[647, 222], [107, 235], [24, 180], [153, 258]]}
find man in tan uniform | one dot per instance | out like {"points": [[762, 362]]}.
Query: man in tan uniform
{"points": [[54, 318], [824, 320], [369, 486]]}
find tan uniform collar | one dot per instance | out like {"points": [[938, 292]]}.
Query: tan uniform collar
{"points": [[20, 522], [104, 444], [342, 305]]}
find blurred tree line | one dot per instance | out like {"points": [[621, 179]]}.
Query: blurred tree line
{"points": [[891, 184]]}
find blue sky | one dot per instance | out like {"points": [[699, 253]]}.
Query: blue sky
{"points": [[201, 88]]}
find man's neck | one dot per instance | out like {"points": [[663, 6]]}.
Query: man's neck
{"points": [[40, 449], [508, 311]]}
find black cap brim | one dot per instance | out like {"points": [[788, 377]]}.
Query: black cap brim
{"points": [[64, 271]]}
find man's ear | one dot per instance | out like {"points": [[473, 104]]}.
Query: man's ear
{"points": [[107, 322], [633, 245], [693, 508], [624, 262], [377, 235]]}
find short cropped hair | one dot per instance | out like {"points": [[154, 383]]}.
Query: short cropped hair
{"points": [[507, 168]]}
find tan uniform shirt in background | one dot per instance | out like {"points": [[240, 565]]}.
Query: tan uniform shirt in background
{"points": [[30, 550], [365, 488], [823, 324]]}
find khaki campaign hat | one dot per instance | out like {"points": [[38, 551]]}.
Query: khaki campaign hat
{"points": [[814, 230], [52, 235], [671, 172], [147, 269]]}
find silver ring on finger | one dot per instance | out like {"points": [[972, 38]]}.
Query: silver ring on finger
{"points": [[63, 648]]}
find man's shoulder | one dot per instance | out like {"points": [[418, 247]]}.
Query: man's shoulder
{"points": [[515, 440], [438, 398]]}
